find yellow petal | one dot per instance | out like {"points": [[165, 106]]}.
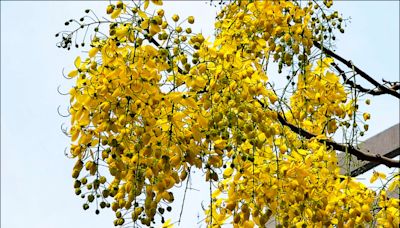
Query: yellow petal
{"points": [[167, 224], [203, 122], [200, 82], [73, 73], [146, 4], [142, 14], [374, 177], [381, 175], [228, 172], [261, 137], [116, 13], [93, 52], [157, 2], [215, 193], [117, 92], [220, 144], [327, 61], [144, 24], [77, 62], [248, 224], [190, 102], [154, 29], [394, 184], [302, 152], [246, 145], [331, 77], [74, 135]]}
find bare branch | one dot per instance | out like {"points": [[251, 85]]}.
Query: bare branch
{"points": [[380, 87], [377, 91]]}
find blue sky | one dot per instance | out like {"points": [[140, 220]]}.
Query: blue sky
{"points": [[36, 184]]}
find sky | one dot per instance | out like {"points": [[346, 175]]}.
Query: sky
{"points": [[36, 184]]}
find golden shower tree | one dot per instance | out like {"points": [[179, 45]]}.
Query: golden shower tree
{"points": [[152, 101]]}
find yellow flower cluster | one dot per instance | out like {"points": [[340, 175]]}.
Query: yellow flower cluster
{"points": [[153, 100]]}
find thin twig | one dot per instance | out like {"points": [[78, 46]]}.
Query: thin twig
{"points": [[184, 197]]}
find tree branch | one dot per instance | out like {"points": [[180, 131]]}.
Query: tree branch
{"points": [[339, 147], [395, 85], [349, 64]]}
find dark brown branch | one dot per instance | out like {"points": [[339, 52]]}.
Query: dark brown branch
{"points": [[349, 64], [339, 147], [344, 148], [395, 86]]}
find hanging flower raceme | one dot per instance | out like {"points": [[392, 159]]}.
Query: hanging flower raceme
{"points": [[153, 101]]}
